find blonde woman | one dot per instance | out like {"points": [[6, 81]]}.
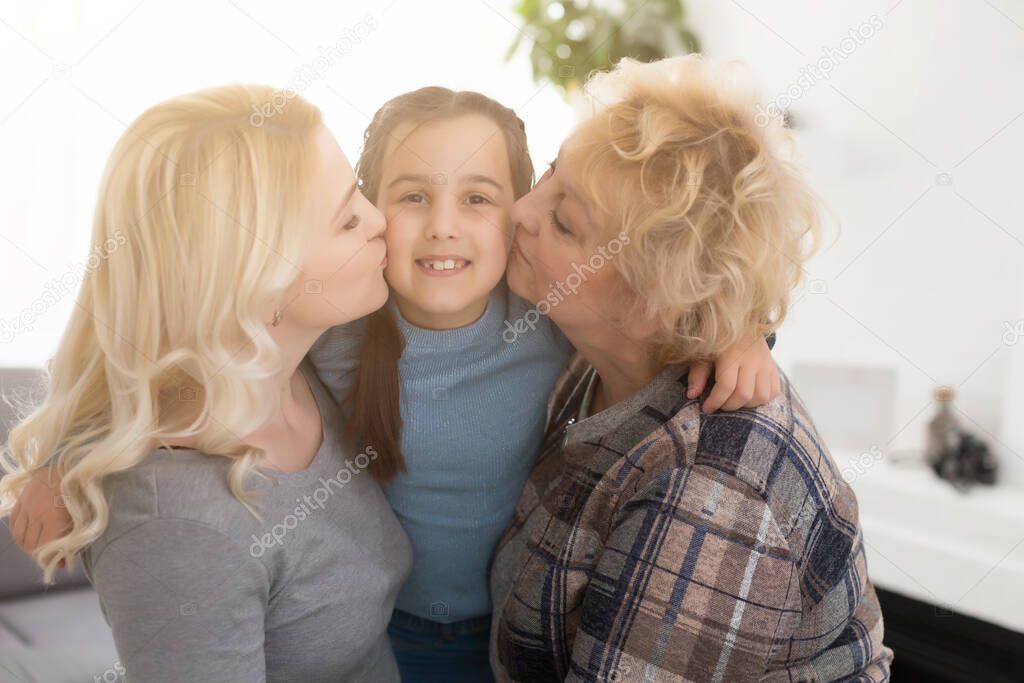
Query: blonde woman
{"points": [[199, 455], [653, 542]]}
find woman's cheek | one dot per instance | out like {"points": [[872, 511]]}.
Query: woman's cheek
{"points": [[543, 261], [399, 239], [389, 272]]}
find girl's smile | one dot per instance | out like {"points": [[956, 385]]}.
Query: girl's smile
{"points": [[445, 265]]}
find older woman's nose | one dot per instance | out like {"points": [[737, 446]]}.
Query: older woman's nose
{"points": [[523, 214]]}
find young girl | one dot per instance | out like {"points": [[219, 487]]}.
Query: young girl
{"points": [[450, 380]]}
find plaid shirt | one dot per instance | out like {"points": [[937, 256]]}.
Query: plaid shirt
{"points": [[654, 543]]}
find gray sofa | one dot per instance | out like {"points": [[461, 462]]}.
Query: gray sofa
{"points": [[48, 634]]}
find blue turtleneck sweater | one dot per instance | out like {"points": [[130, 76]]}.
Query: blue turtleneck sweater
{"points": [[474, 402]]}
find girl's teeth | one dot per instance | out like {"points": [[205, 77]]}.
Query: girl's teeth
{"points": [[448, 264]]}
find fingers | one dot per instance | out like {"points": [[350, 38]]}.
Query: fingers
{"points": [[15, 513], [744, 391], [763, 392], [19, 527], [53, 528], [29, 533], [725, 383], [39, 516], [35, 538], [697, 378], [12, 521], [738, 385], [33, 532]]}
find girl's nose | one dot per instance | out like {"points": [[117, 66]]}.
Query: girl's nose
{"points": [[442, 221]]}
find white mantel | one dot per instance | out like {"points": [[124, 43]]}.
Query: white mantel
{"points": [[925, 540]]}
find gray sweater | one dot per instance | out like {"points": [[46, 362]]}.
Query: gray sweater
{"points": [[196, 588]]}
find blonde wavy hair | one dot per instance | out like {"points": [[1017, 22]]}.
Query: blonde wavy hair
{"points": [[168, 338], [719, 218]]}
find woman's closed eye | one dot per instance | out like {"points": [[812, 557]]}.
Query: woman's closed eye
{"points": [[559, 225]]}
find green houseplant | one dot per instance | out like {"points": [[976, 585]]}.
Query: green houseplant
{"points": [[570, 38]]}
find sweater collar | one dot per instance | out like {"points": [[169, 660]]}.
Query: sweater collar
{"points": [[486, 327], [653, 403]]}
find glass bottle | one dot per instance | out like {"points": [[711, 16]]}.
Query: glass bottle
{"points": [[943, 429]]}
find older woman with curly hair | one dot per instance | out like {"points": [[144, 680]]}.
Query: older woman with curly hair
{"points": [[653, 541]]}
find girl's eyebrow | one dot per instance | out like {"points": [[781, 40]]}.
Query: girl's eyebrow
{"points": [[410, 178], [479, 178], [425, 179]]}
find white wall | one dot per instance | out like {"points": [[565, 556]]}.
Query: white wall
{"points": [[55, 133], [924, 277]]}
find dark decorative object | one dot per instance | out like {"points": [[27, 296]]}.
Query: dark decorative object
{"points": [[955, 454]]}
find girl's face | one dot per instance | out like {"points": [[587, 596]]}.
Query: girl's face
{"points": [[342, 276], [552, 258], [446, 191]]}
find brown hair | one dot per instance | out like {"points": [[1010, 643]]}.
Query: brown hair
{"points": [[374, 401]]}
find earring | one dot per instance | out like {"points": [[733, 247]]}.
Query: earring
{"points": [[277, 318]]}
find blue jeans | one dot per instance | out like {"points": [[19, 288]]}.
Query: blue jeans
{"points": [[429, 651]]}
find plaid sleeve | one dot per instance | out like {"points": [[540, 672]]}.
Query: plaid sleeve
{"points": [[695, 582]]}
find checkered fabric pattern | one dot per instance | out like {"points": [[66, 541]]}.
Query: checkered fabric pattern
{"points": [[668, 545]]}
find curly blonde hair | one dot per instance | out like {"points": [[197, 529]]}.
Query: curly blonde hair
{"points": [[719, 219], [168, 339]]}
